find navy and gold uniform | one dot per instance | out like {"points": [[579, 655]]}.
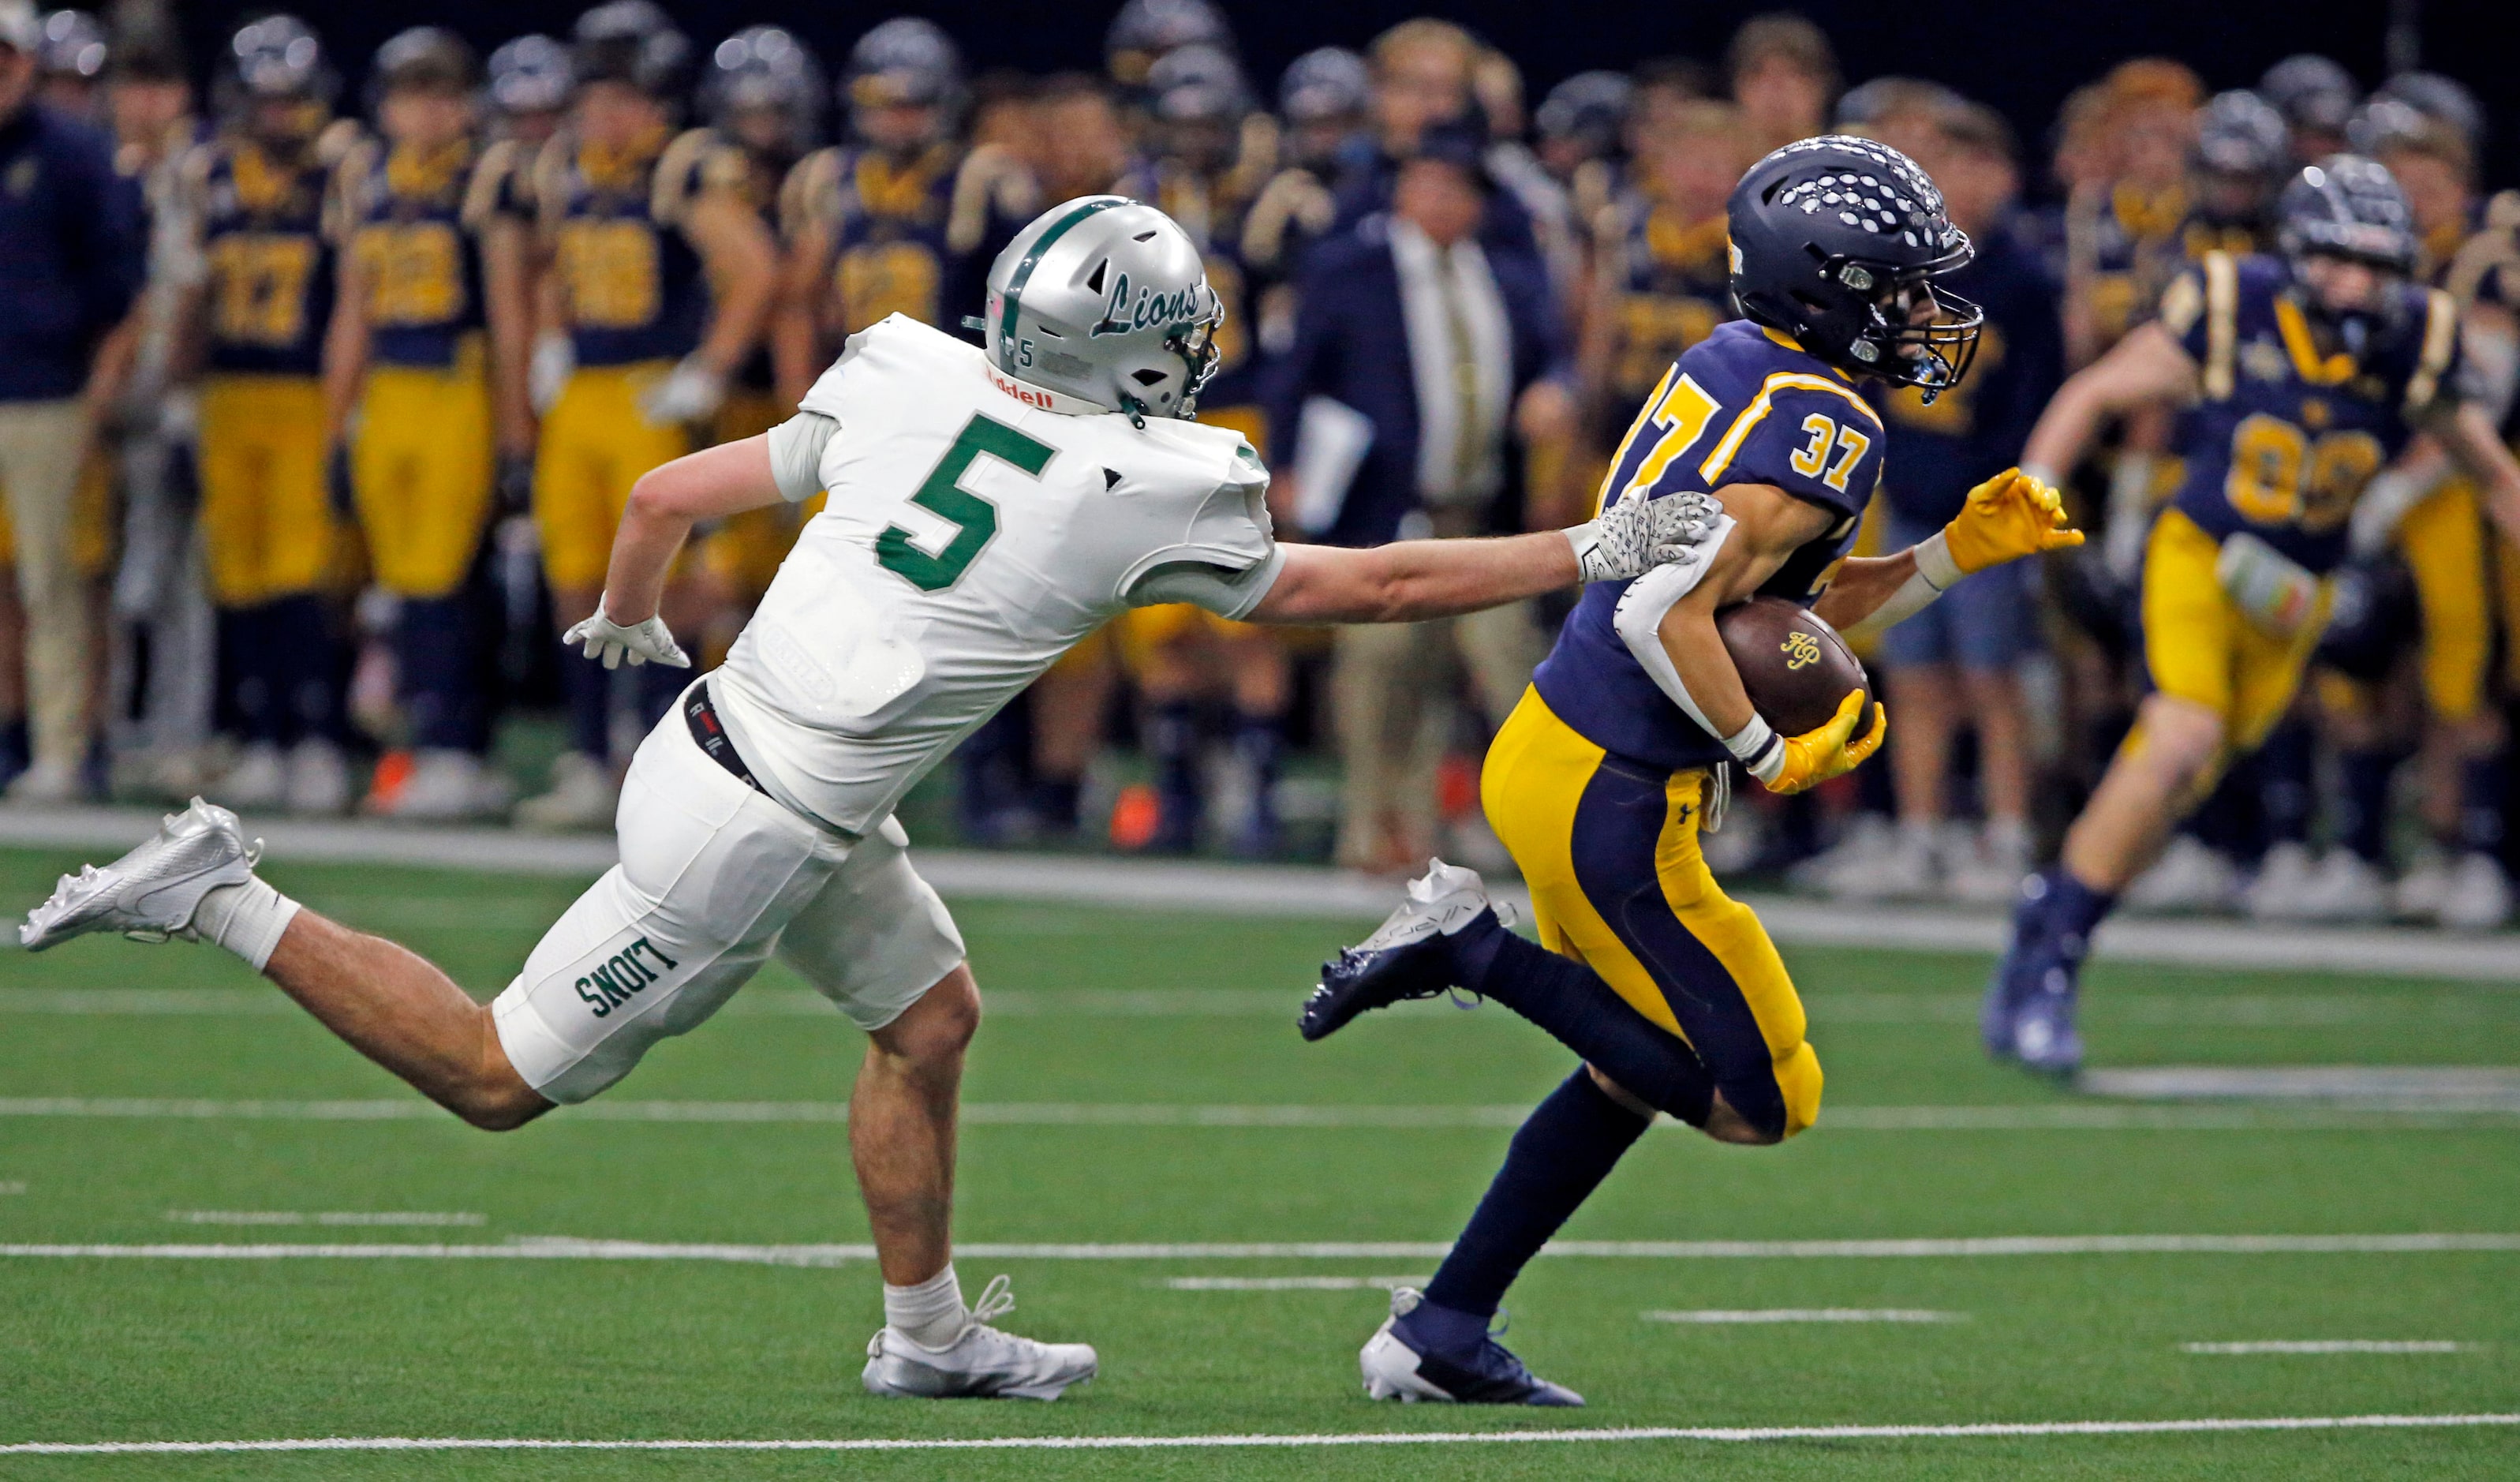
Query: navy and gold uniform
{"points": [[2130, 249], [636, 301], [744, 553], [421, 464], [1598, 784], [266, 520], [2279, 446], [1664, 287], [884, 223]]}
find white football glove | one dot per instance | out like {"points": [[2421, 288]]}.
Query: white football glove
{"points": [[1637, 534], [641, 642], [546, 374], [691, 393]]}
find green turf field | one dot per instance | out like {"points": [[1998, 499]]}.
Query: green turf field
{"points": [[1114, 1094]]}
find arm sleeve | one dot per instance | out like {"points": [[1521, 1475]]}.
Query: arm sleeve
{"points": [[1227, 594], [2182, 312], [796, 454]]}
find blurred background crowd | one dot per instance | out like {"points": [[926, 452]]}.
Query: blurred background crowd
{"points": [[323, 380]]}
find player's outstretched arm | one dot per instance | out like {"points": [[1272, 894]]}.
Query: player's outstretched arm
{"points": [[1414, 580], [2148, 366], [664, 503], [2006, 517], [2467, 434]]}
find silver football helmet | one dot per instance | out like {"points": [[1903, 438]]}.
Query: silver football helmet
{"points": [[1105, 298]]}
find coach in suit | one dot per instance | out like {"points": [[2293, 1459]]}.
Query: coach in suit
{"points": [[1439, 352]]}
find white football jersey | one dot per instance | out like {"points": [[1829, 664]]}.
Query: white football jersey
{"points": [[976, 528]]}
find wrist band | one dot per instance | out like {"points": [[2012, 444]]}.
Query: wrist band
{"points": [[1758, 748], [1934, 563]]}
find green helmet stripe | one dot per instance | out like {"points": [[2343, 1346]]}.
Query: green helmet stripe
{"points": [[1022, 273]]}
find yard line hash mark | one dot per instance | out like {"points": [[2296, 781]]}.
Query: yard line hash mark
{"points": [[349, 1217], [1720, 1316], [1292, 1284], [1351, 1438], [2330, 1346]]}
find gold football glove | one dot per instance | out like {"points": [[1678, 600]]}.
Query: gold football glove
{"points": [[2006, 517], [1811, 758]]}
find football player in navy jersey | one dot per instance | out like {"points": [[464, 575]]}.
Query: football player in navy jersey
{"points": [[2301, 376], [1600, 783]]}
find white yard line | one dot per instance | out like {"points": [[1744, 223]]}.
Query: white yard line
{"points": [[1292, 1284], [2330, 1346], [337, 1217], [1755, 1315], [571, 1249], [1298, 1442], [2486, 1113], [1264, 890]]}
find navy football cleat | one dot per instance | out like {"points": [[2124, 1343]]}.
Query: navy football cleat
{"points": [[2011, 987], [1410, 955], [1397, 1366], [2044, 1036]]}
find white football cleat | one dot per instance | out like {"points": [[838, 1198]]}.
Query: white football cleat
{"points": [[2479, 897], [982, 1362], [150, 895], [583, 795], [319, 780], [2282, 885], [2189, 877], [2424, 884], [258, 779], [1987, 868], [2345, 887], [447, 786], [1908, 866]]}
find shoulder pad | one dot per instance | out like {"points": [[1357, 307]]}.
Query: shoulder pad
{"points": [[2439, 348], [490, 173], [810, 192], [2223, 287], [681, 174], [547, 183], [988, 179]]}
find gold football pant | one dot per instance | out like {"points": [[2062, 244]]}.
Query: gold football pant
{"points": [[1609, 848]]}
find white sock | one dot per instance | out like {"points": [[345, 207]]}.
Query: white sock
{"points": [[248, 920], [931, 1314]]}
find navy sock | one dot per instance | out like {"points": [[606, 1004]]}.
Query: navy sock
{"points": [[1564, 1149], [309, 674], [436, 657], [2287, 794], [249, 669], [2484, 788], [2073, 909], [1587, 1015], [1259, 740], [2365, 827], [589, 687], [1172, 744]]}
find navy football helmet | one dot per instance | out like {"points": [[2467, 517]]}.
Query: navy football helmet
{"points": [[529, 74], [422, 56], [764, 68], [1832, 240], [1327, 82], [1589, 108], [279, 57], [2440, 99], [2239, 133], [631, 41], [1197, 84], [905, 62], [2312, 92], [1146, 29], [2347, 206]]}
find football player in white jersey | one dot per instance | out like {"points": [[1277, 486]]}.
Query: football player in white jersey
{"points": [[987, 509]]}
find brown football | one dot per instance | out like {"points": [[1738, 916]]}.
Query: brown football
{"points": [[1795, 666]]}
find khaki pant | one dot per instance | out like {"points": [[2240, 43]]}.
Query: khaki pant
{"points": [[41, 446], [1391, 685]]}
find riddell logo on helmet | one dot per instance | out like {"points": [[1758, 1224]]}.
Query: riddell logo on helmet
{"points": [[1031, 396]]}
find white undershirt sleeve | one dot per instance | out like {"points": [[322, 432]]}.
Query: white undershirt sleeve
{"points": [[796, 454]]}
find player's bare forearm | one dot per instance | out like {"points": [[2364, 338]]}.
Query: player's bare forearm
{"points": [[664, 503], [2468, 436], [345, 349], [2148, 366], [508, 297], [1863, 583], [1769, 524], [743, 277], [1415, 580]]}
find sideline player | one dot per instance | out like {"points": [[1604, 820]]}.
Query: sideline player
{"points": [[2301, 376], [407, 392], [987, 509], [1618, 756]]}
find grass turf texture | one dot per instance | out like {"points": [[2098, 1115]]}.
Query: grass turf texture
{"points": [[143, 1350]]}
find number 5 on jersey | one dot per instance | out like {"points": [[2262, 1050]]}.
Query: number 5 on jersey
{"points": [[941, 494]]}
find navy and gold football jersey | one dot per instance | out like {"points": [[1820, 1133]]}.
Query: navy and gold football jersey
{"points": [[1211, 208], [2137, 243], [400, 214], [634, 287], [882, 223], [2287, 432], [268, 269], [1666, 285], [1745, 405]]}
